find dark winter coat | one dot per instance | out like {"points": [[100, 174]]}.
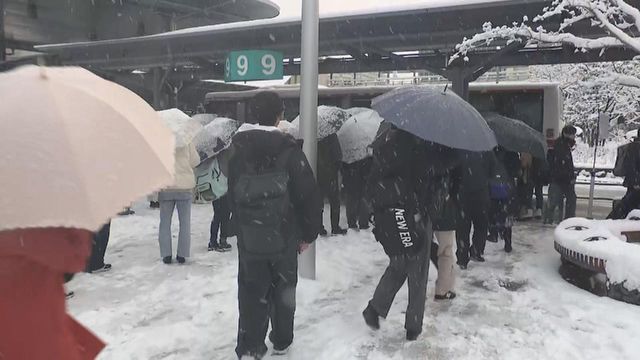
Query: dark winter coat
{"points": [[329, 158], [302, 222], [392, 190], [438, 189], [474, 172], [394, 171], [632, 165], [561, 169], [354, 175]]}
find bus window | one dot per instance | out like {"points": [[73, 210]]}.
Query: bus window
{"points": [[526, 106]]}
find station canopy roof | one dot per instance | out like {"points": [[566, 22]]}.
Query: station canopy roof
{"points": [[385, 39]]}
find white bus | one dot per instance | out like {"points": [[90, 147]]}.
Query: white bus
{"points": [[536, 103]]}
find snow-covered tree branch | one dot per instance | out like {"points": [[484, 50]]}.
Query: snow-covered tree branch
{"points": [[619, 21]]}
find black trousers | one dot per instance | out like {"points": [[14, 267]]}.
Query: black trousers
{"points": [[475, 211], [330, 187], [100, 242], [266, 293], [630, 201], [357, 208], [537, 188], [221, 220]]}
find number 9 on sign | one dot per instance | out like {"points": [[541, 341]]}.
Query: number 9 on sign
{"points": [[268, 63], [243, 65], [227, 68]]}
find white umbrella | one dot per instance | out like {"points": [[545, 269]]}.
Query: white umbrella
{"points": [[183, 126], [216, 136], [330, 119], [204, 119], [357, 134], [75, 149]]}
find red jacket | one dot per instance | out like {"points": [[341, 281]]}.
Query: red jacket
{"points": [[34, 323]]}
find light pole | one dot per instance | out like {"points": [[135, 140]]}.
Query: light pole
{"points": [[309, 108]]}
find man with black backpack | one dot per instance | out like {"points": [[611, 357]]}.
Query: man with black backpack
{"points": [[277, 210], [401, 224], [628, 165]]}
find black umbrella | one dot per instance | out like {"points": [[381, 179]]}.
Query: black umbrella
{"points": [[515, 135], [437, 115]]}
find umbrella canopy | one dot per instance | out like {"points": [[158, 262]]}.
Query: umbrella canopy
{"points": [[86, 149], [216, 136], [515, 135], [204, 119], [357, 134], [437, 115], [183, 126], [357, 110], [330, 120]]}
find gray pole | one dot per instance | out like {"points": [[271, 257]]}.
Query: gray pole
{"points": [[309, 108], [3, 42]]}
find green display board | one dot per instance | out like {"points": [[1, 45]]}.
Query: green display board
{"points": [[249, 65]]}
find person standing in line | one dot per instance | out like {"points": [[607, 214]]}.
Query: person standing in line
{"points": [[276, 207], [563, 176], [329, 161], [354, 179], [180, 195], [504, 206], [444, 206], [401, 226], [100, 241], [221, 223], [473, 175], [631, 168], [538, 179], [525, 186]]}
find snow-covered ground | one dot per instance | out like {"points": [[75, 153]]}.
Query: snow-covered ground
{"points": [[147, 310]]}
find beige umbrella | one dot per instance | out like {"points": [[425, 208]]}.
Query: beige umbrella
{"points": [[75, 149]]}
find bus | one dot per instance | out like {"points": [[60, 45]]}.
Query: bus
{"points": [[538, 104]]}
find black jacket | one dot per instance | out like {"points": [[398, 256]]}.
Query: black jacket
{"points": [[474, 172], [632, 165], [302, 222], [354, 175], [394, 171], [329, 158], [561, 168]]}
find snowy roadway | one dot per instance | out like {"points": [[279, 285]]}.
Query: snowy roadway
{"points": [[147, 310]]}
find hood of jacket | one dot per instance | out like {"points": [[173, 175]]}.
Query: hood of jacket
{"points": [[257, 141]]}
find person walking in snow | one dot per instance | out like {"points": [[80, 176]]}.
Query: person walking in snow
{"points": [[473, 175], [401, 226], [277, 208], [180, 195], [563, 176], [631, 171], [329, 161]]}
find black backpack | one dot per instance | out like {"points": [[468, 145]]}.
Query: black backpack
{"points": [[261, 198]]}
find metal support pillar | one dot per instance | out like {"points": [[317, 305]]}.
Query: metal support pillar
{"points": [[3, 40], [309, 108]]}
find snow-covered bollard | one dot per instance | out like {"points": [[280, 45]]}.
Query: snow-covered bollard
{"points": [[602, 246]]}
